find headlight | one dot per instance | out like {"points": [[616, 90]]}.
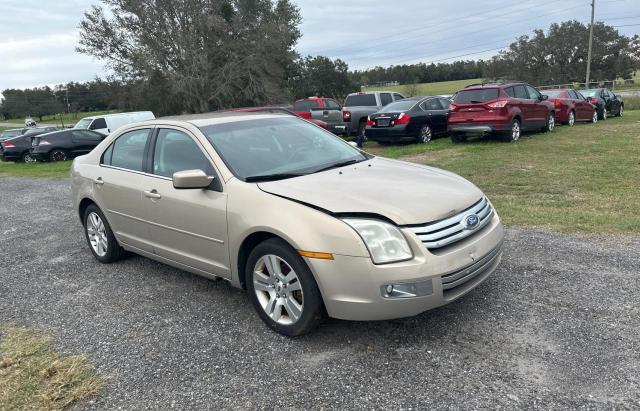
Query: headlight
{"points": [[385, 242]]}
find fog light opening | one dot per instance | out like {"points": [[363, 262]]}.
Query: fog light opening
{"points": [[407, 290]]}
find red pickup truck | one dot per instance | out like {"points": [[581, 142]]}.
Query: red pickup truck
{"points": [[323, 109]]}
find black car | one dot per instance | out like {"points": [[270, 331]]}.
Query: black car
{"points": [[11, 133], [17, 148], [606, 102], [415, 119], [63, 145]]}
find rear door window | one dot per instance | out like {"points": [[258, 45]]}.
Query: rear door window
{"points": [[385, 98], [432, 104], [176, 151], [332, 104], [355, 100], [520, 92], [397, 96], [477, 96], [128, 150], [445, 103], [572, 94], [509, 91]]}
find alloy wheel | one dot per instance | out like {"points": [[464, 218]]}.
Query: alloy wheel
{"points": [[621, 112], [425, 134], [572, 119], [58, 155], [551, 123], [594, 118], [515, 131], [278, 289], [28, 158], [97, 234], [604, 113]]}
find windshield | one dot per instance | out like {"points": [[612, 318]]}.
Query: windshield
{"points": [[83, 124], [402, 105], [477, 96], [272, 147], [355, 100], [553, 93], [590, 93]]}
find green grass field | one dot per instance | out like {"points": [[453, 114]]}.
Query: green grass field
{"points": [[67, 118], [38, 170], [578, 179], [428, 89]]}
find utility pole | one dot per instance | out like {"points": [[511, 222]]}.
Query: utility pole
{"points": [[593, 12], [69, 107]]}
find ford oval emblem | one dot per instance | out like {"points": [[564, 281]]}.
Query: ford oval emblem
{"points": [[471, 222]]}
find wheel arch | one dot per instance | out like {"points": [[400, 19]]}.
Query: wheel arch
{"points": [[82, 207], [248, 244]]}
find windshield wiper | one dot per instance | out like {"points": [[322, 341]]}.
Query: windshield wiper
{"points": [[339, 164], [271, 177]]}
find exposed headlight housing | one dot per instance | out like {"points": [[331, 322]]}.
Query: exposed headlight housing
{"points": [[385, 242]]}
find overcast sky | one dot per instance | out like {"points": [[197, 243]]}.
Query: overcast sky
{"points": [[38, 37]]}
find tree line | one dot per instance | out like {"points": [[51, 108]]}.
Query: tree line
{"points": [[190, 56]]}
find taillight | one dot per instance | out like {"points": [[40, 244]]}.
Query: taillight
{"points": [[594, 100], [346, 116], [498, 104], [8, 144], [370, 122], [403, 118], [557, 103], [453, 107]]}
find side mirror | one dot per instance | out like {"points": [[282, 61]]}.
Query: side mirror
{"points": [[353, 144], [543, 97], [189, 179], [589, 99]]}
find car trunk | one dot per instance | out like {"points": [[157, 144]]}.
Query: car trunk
{"points": [[473, 106], [381, 120]]}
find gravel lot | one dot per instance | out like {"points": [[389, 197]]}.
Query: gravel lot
{"points": [[557, 326]]}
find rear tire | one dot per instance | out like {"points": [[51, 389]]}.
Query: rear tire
{"points": [[458, 138], [58, 155], [571, 121], [514, 133], [425, 134], [99, 231], [594, 117], [272, 294], [621, 111], [603, 114], [28, 158]]}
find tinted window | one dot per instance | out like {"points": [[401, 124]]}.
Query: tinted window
{"points": [[176, 151], [385, 98], [98, 124], [432, 104], [580, 96], [445, 103], [572, 94], [360, 100], [533, 93], [284, 145], [610, 94], [509, 91], [332, 104], [520, 92], [402, 105], [397, 96], [10, 133], [305, 105], [477, 96], [128, 150], [87, 135]]}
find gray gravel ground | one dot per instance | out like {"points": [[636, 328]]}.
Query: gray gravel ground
{"points": [[557, 326]]}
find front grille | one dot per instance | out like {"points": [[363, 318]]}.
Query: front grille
{"points": [[457, 278], [450, 230]]}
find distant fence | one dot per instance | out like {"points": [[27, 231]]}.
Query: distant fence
{"points": [[610, 84]]}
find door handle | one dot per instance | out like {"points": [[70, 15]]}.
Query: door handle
{"points": [[98, 181], [152, 194]]}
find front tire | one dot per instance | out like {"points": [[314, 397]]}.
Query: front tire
{"points": [[282, 289], [594, 117], [102, 242], [425, 134], [551, 123], [621, 111]]}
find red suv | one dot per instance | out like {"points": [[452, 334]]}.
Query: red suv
{"points": [[505, 108]]}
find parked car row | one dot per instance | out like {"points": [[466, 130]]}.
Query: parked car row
{"points": [[505, 109], [53, 144]]}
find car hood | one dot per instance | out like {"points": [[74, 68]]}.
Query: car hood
{"points": [[402, 192]]}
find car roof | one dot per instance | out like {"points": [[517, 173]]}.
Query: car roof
{"points": [[216, 117], [493, 84]]}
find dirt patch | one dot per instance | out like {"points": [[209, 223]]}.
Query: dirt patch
{"points": [[429, 156]]}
